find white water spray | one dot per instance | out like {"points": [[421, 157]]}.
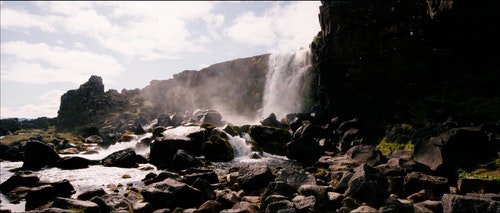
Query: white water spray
{"points": [[285, 83]]}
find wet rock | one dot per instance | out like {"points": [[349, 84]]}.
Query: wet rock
{"points": [[87, 195], [217, 149], [279, 188], [20, 178], [367, 185], [163, 151], [460, 203], [272, 121], [183, 160], [94, 139], [213, 117], [68, 203], [272, 140], [38, 154], [39, 196], [125, 159], [73, 162]]}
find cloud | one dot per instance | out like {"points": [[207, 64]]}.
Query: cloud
{"points": [[280, 28], [23, 20], [41, 64], [48, 107]]}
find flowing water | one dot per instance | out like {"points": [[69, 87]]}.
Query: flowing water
{"points": [[111, 178], [286, 83]]}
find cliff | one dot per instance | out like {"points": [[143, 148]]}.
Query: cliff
{"points": [[409, 61], [234, 86]]}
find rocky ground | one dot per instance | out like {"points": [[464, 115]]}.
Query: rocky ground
{"points": [[446, 167]]}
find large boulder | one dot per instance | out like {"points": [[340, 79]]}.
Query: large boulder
{"points": [[252, 177], [417, 181], [125, 158], [459, 147], [272, 140], [217, 149], [163, 151], [38, 154], [171, 193], [183, 160], [305, 149], [68, 203], [367, 185], [461, 203], [20, 178], [365, 154], [73, 162]]}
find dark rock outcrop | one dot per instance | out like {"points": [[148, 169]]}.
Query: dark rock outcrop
{"points": [[38, 154], [419, 61]]}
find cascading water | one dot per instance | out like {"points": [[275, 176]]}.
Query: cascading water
{"points": [[286, 83]]}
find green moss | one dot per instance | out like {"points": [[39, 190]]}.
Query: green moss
{"points": [[47, 136], [480, 173], [386, 146]]}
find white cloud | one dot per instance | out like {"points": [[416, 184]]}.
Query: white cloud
{"points": [[19, 19], [47, 108], [280, 28], [40, 63]]}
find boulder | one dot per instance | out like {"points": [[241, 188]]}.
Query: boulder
{"points": [[281, 206], [20, 178], [39, 196], [94, 139], [279, 188], [417, 181], [217, 149], [242, 206], [305, 150], [171, 193], [213, 117], [38, 154], [125, 158], [210, 206], [461, 203], [227, 197], [459, 147], [253, 176], [367, 185], [73, 162], [183, 160], [296, 178], [162, 151], [68, 203], [272, 121], [87, 195], [476, 185], [365, 154], [272, 140], [113, 203]]}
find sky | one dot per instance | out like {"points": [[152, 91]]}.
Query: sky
{"points": [[48, 48]]}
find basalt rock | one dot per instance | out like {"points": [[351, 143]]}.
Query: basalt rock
{"points": [[408, 60], [38, 154]]}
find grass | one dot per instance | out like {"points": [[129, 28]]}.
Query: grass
{"points": [[484, 171], [47, 136], [387, 147]]}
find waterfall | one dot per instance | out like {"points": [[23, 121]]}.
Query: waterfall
{"points": [[286, 83]]}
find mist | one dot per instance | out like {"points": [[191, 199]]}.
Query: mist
{"points": [[243, 90]]}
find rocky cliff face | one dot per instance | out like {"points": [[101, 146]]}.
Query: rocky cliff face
{"points": [[234, 86], [411, 61], [90, 106]]}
